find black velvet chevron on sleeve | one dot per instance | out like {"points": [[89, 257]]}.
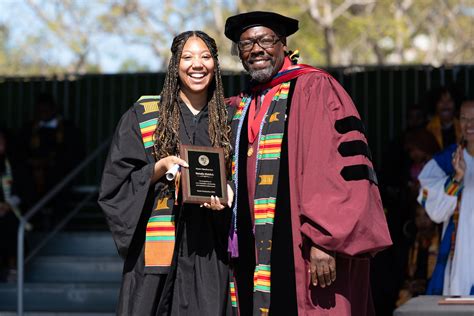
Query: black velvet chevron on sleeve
{"points": [[359, 172], [348, 124], [354, 148]]}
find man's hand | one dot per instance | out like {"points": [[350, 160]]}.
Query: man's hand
{"points": [[322, 267], [230, 196]]}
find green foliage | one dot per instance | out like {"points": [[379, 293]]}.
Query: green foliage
{"points": [[366, 32], [132, 65], [380, 31]]}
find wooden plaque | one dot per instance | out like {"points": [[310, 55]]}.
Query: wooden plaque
{"points": [[205, 175]]}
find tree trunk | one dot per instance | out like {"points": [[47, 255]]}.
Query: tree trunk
{"points": [[377, 52], [399, 34], [329, 40]]}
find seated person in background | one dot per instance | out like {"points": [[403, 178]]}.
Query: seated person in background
{"points": [[420, 145], [52, 149], [421, 257], [447, 193], [13, 196], [443, 125], [423, 236]]}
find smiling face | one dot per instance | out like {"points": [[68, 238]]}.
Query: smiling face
{"points": [[466, 119], [262, 63], [196, 67]]}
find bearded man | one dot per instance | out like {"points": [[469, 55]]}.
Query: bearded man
{"points": [[308, 215]]}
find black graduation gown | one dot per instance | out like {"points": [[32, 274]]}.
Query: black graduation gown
{"points": [[198, 280]]}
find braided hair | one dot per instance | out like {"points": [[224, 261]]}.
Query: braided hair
{"points": [[166, 137]]}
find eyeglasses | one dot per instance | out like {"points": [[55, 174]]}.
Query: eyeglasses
{"points": [[266, 41]]}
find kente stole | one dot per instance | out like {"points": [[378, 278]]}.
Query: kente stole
{"points": [[160, 230], [267, 169]]}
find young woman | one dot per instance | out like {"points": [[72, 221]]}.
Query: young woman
{"points": [[175, 254]]}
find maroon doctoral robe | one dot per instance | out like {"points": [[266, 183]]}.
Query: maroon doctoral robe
{"points": [[334, 198]]}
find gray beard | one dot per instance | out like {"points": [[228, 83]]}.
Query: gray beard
{"points": [[261, 75]]}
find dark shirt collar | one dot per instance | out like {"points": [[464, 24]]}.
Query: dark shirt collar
{"points": [[187, 112]]}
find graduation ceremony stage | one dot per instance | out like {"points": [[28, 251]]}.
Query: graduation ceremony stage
{"points": [[428, 305]]}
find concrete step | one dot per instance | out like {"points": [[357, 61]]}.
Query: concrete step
{"points": [[75, 269], [90, 217], [90, 243], [60, 297], [87, 221]]}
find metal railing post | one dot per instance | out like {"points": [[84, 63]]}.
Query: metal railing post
{"points": [[35, 209], [20, 266]]}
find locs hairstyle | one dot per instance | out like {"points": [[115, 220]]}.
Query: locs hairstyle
{"points": [[167, 128]]}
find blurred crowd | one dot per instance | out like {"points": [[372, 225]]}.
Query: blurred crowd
{"points": [[32, 161], [404, 270]]}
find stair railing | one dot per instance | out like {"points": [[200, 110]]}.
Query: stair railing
{"points": [[21, 261]]}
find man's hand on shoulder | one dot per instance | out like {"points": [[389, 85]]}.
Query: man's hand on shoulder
{"points": [[322, 267]]}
